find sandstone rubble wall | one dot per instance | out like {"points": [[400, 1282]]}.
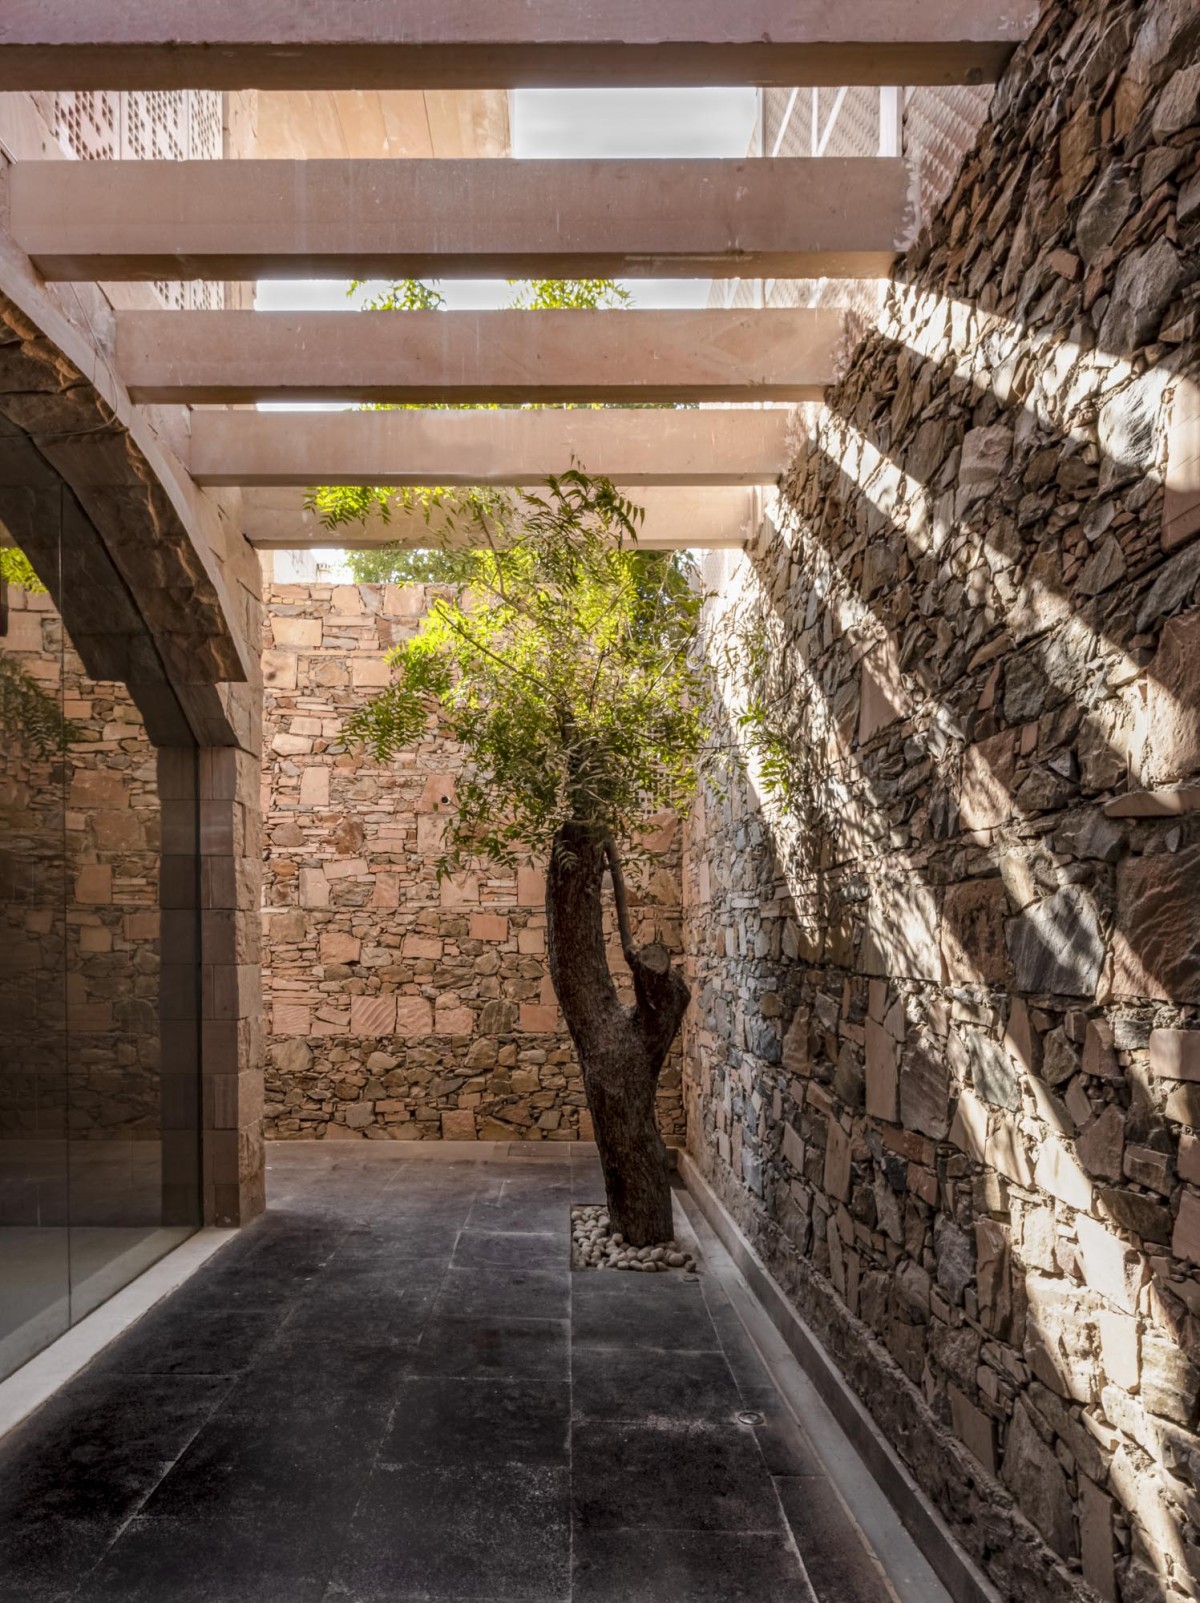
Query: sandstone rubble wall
{"points": [[402, 1006], [944, 1064]]}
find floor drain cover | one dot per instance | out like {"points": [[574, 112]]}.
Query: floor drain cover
{"points": [[749, 1417]]}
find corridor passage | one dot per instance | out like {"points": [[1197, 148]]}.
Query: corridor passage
{"points": [[392, 1387]]}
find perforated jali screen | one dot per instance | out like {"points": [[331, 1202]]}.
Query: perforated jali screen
{"points": [[147, 125]]}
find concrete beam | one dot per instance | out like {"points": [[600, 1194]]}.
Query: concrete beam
{"points": [[231, 358], [375, 44], [839, 217], [676, 519], [635, 448]]}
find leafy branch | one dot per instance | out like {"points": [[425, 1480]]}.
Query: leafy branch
{"points": [[16, 569], [28, 713], [562, 665]]}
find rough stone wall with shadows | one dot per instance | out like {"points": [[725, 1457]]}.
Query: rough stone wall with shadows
{"points": [[404, 1007], [944, 1062]]}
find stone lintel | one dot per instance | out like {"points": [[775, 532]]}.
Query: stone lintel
{"points": [[837, 217], [374, 44], [272, 449], [234, 358], [676, 518]]}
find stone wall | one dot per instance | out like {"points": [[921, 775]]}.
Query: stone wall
{"points": [[944, 1064], [403, 1007], [79, 913]]}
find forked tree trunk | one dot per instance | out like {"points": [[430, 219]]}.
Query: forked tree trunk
{"points": [[621, 1049]]}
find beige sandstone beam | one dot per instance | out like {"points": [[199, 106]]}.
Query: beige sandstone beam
{"points": [[688, 447], [371, 44], [837, 217], [676, 519], [508, 357]]}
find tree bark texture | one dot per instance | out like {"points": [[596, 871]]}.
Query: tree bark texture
{"points": [[621, 1049]]}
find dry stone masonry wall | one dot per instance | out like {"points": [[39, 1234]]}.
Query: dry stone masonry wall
{"points": [[403, 1007], [944, 1063]]}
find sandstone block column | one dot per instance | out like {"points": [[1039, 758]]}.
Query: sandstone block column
{"points": [[231, 985], [211, 984]]}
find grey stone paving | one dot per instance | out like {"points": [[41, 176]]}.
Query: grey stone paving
{"points": [[392, 1388]]}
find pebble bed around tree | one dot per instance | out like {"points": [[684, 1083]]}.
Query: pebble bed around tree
{"points": [[593, 1246]]}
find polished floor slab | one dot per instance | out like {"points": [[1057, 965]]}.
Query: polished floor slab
{"points": [[393, 1389]]}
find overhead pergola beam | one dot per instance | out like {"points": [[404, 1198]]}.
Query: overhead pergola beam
{"points": [[841, 217], [635, 448], [676, 519], [511, 358], [463, 44]]}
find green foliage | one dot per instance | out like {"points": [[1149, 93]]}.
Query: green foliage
{"points": [[16, 569], [563, 667], [566, 294], [404, 295], [338, 505], [27, 713], [397, 564]]}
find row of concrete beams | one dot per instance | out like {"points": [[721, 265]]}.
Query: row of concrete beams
{"points": [[509, 358], [683, 518], [633, 447], [417, 44], [775, 218]]}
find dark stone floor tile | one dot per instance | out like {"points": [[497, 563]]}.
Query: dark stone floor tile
{"points": [[516, 1348], [458, 1534], [671, 1475], [211, 1343], [483, 1249], [357, 1303], [233, 1559], [610, 1309], [242, 1287], [524, 1214], [399, 1243], [839, 1564], [455, 1421], [686, 1567], [293, 1240], [740, 1352], [503, 1293], [321, 1380], [156, 1415], [86, 1484], [262, 1465], [608, 1383], [42, 1560], [785, 1447]]}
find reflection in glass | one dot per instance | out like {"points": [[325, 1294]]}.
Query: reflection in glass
{"points": [[34, 1244], [97, 1177]]}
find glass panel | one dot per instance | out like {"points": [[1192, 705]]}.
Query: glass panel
{"points": [[115, 999], [34, 1243], [99, 935]]}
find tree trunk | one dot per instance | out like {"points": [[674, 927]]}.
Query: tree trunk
{"points": [[621, 1050]]}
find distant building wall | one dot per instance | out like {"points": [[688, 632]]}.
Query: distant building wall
{"points": [[402, 1007]]}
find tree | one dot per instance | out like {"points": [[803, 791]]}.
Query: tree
{"points": [[562, 664]]}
